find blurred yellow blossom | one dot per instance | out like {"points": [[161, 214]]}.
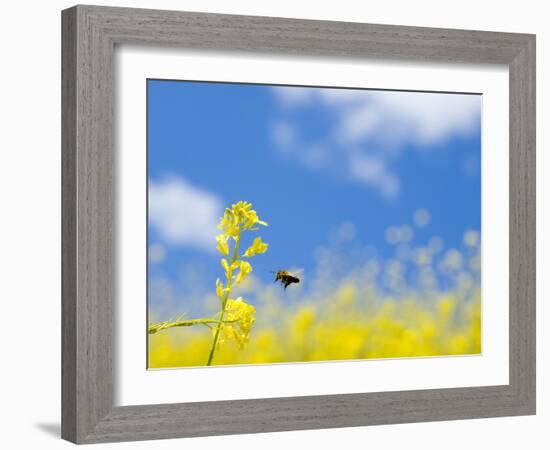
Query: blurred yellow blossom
{"points": [[222, 247], [245, 269], [240, 319], [471, 238], [256, 248], [342, 325], [220, 291], [350, 318]]}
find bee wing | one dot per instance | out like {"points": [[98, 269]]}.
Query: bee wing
{"points": [[296, 271]]}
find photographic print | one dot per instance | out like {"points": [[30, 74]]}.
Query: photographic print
{"points": [[293, 224]]}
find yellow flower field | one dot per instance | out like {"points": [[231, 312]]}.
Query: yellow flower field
{"points": [[345, 325], [352, 318]]}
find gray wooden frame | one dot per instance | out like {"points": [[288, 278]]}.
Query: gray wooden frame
{"points": [[88, 198]]}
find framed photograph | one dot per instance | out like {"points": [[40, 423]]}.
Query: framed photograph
{"points": [[278, 224]]}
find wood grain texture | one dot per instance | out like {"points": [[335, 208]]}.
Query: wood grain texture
{"points": [[68, 226], [523, 224], [88, 189]]}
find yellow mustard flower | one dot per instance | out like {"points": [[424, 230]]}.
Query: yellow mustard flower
{"points": [[245, 269], [225, 265], [240, 217], [226, 334], [222, 247], [250, 218], [240, 315], [235, 318], [220, 291], [235, 221], [229, 224], [256, 248]]}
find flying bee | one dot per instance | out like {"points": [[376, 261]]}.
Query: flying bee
{"points": [[286, 277]]}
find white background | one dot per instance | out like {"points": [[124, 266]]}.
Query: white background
{"points": [[30, 225], [134, 385]]}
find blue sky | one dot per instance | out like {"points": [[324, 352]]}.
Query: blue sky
{"points": [[325, 167]]}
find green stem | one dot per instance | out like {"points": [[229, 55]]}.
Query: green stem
{"points": [[180, 323], [224, 302]]}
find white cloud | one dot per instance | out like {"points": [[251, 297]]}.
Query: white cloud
{"points": [[421, 119], [184, 214], [315, 156], [312, 155], [283, 135], [369, 129], [372, 171]]}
